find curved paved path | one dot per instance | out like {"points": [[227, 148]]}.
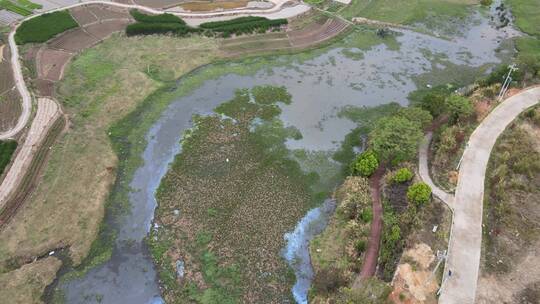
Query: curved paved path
{"points": [[466, 235], [47, 113]]}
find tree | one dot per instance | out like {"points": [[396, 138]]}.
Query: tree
{"points": [[365, 164], [419, 193], [417, 115], [459, 107], [434, 102], [395, 139]]}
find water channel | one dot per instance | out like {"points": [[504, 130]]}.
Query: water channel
{"points": [[320, 88]]}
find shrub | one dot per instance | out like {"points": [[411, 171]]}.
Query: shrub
{"points": [[417, 115], [366, 215], [419, 193], [459, 107], [395, 139], [403, 175], [6, 151], [360, 246], [365, 164], [486, 2], [44, 27], [243, 25], [328, 279]]}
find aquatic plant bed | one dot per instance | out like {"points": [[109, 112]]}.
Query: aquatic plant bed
{"points": [[243, 25], [44, 27], [226, 203]]}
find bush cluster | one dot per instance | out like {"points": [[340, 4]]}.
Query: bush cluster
{"points": [[44, 27], [242, 25], [419, 193], [402, 175], [157, 24], [365, 164]]}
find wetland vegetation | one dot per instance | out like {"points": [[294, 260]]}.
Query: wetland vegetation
{"points": [[226, 202]]}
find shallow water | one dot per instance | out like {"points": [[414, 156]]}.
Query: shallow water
{"points": [[320, 87], [297, 250]]}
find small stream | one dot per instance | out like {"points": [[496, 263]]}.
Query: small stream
{"points": [[320, 88]]}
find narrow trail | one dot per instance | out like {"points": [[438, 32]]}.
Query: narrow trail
{"points": [[372, 253]]}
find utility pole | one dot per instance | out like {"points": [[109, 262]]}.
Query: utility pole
{"points": [[507, 81]]}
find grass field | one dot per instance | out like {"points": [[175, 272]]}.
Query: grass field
{"points": [[407, 11], [6, 151], [44, 27], [102, 86]]}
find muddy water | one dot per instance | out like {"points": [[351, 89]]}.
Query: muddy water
{"points": [[320, 88]]}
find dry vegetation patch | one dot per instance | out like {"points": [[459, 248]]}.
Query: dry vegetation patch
{"points": [[26, 284], [102, 85]]}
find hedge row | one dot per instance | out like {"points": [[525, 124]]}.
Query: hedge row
{"points": [[6, 151], [162, 18], [158, 28], [243, 25], [218, 24], [44, 27]]}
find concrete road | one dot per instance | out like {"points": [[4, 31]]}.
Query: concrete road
{"points": [[47, 113], [466, 236]]}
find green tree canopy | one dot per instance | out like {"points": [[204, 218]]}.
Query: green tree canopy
{"points": [[416, 114], [459, 107], [395, 139], [365, 164]]}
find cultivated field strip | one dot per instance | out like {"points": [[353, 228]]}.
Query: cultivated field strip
{"points": [[10, 104], [312, 35], [47, 112]]}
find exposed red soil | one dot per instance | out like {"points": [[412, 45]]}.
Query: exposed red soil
{"points": [[372, 253], [108, 12], [82, 15], [73, 41], [44, 88], [316, 33], [51, 63], [106, 28], [10, 107]]}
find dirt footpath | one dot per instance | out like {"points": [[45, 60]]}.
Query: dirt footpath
{"points": [[47, 112]]}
